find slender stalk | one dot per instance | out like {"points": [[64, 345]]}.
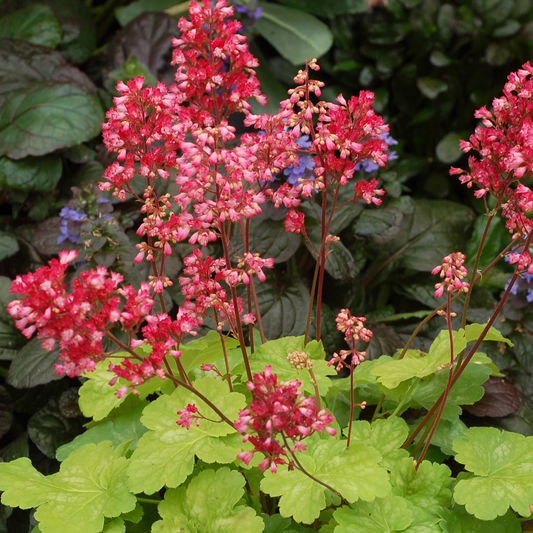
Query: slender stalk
{"points": [[223, 341], [406, 396], [206, 400], [311, 301], [476, 265], [448, 384], [317, 392], [245, 230], [460, 369], [304, 471], [177, 381], [238, 324], [352, 399], [423, 438], [148, 500], [258, 313]]}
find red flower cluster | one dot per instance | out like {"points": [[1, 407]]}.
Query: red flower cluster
{"points": [[80, 319], [279, 410], [505, 143]]}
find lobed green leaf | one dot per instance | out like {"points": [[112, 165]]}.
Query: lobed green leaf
{"points": [[90, 485], [165, 455], [502, 464], [208, 505]]}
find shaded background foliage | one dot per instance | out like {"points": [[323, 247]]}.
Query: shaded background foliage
{"points": [[430, 63]]}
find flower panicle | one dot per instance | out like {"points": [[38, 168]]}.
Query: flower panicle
{"points": [[278, 419]]}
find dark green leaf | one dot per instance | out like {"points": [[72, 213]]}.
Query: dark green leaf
{"points": [[294, 34], [436, 228], [496, 240], [49, 429], [17, 448], [45, 237], [328, 10], [6, 411], [497, 54], [33, 366], [8, 246], [269, 239], [148, 39], [45, 116], [130, 12], [35, 24], [22, 64], [381, 225], [448, 150], [32, 174], [439, 59], [510, 27], [431, 87], [79, 31], [283, 308]]}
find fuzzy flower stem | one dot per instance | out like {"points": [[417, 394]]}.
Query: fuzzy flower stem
{"points": [[223, 342], [120, 344], [191, 388], [322, 261], [352, 398], [475, 279], [315, 385], [311, 301], [478, 256], [299, 466], [225, 239], [251, 290], [460, 369], [424, 436], [448, 384]]}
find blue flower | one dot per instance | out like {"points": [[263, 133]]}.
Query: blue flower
{"points": [[67, 214], [250, 9], [307, 164], [368, 165]]}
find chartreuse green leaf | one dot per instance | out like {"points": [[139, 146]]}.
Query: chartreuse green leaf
{"points": [[411, 509], [124, 428], [468, 389], [386, 435], [473, 332], [90, 485], [207, 505], [275, 353], [165, 455], [115, 526], [205, 350], [353, 472], [416, 364], [459, 521], [98, 398], [502, 463], [384, 515], [426, 487]]}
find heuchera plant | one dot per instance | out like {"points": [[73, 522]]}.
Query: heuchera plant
{"points": [[169, 411]]}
